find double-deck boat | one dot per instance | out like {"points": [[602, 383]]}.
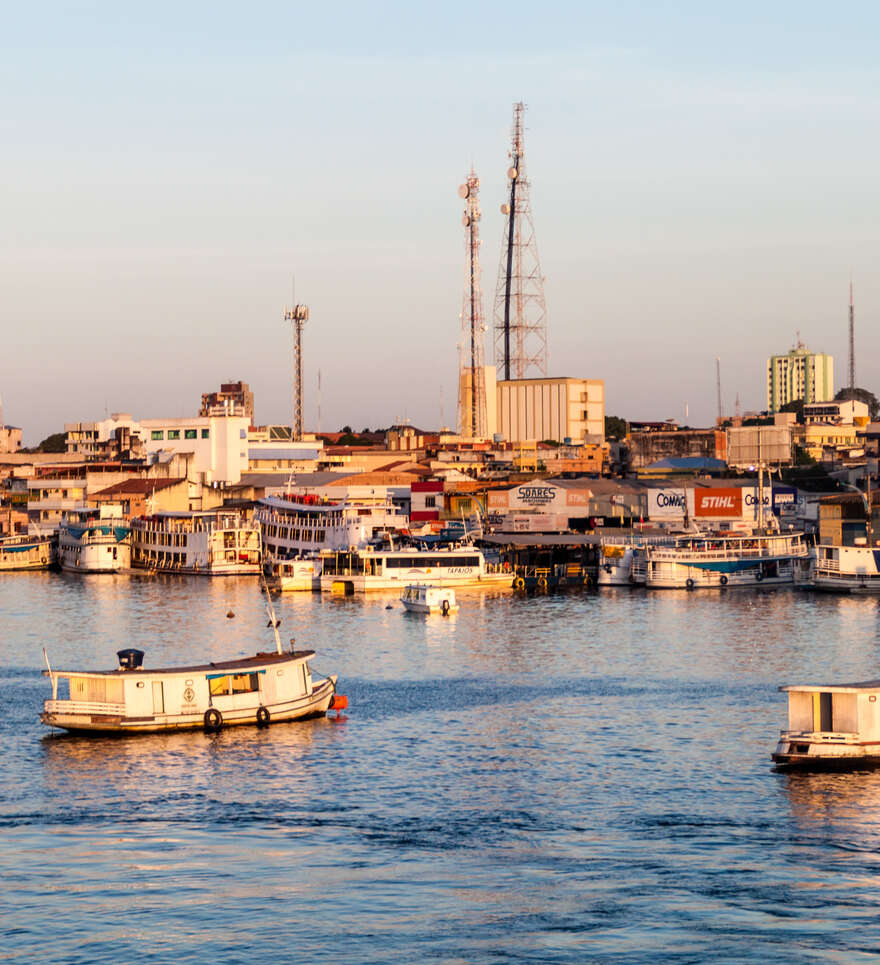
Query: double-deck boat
{"points": [[831, 727], [262, 689], [847, 569], [218, 543], [426, 599], [94, 541], [303, 526], [26, 553], [358, 571], [622, 558], [725, 559]]}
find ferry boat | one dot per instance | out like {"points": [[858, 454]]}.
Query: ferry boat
{"points": [[831, 727], [26, 553], [94, 541], [218, 543], [298, 574], [725, 559], [426, 599], [302, 526], [622, 558], [358, 571], [847, 569]]}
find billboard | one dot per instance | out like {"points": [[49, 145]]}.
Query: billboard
{"points": [[539, 496], [718, 503], [667, 503]]}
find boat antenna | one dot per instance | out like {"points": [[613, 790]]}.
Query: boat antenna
{"points": [[270, 611]]}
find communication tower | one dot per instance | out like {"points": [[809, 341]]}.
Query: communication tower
{"points": [[520, 310], [718, 386], [852, 338], [472, 376], [299, 315]]}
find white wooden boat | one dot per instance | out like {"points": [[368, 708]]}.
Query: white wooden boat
{"points": [[26, 553], [380, 569], [286, 575], [847, 569], [262, 689], [831, 727], [423, 598], [94, 541]]}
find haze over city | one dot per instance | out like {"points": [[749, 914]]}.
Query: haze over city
{"points": [[702, 185]]}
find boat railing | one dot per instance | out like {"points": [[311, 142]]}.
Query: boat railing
{"points": [[830, 565], [818, 735], [83, 707], [682, 553]]}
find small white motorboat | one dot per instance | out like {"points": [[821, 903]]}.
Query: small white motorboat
{"points": [[831, 727], [423, 598], [132, 699]]}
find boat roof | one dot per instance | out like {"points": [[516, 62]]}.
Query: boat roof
{"points": [[242, 663], [865, 685]]}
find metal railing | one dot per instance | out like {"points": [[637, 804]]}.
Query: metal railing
{"points": [[83, 707]]}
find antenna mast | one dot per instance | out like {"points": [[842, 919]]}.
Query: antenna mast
{"points": [[718, 386], [852, 338], [520, 309], [299, 315], [472, 382]]}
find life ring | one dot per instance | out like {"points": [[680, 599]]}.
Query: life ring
{"points": [[519, 583], [444, 608], [213, 720], [759, 576], [542, 583], [263, 717], [689, 583], [43, 560], [723, 579]]}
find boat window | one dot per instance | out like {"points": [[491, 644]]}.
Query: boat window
{"points": [[219, 686], [245, 683]]}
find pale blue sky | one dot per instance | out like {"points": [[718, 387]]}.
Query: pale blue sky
{"points": [[702, 184]]}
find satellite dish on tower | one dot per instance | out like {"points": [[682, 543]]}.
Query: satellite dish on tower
{"points": [[463, 191], [505, 209], [465, 220], [511, 173]]}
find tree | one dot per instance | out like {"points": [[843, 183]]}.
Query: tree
{"points": [[796, 406], [615, 427], [346, 430], [57, 442], [860, 395]]}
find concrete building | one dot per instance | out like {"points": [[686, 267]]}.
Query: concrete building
{"points": [[800, 374], [565, 410], [219, 444], [851, 412], [648, 447], [236, 397]]}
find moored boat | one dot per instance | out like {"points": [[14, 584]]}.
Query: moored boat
{"points": [[426, 599], [847, 569], [215, 543], [830, 727], [299, 574], [26, 553], [94, 541]]}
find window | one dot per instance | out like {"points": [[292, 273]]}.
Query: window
{"points": [[190, 433], [242, 433], [174, 433], [430, 502], [157, 434], [206, 433]]}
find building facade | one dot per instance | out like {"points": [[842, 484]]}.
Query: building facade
{"points": [[571, 411], [799, 375]]}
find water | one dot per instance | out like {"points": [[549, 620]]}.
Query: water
{"points": [[552, 779]]}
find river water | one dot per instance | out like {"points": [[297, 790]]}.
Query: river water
{"points": [[557, 778]]}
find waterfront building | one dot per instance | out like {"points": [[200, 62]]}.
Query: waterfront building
{"points": [[799, 375]]}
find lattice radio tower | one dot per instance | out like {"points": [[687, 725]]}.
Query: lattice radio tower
{"points": [[520, 310], [472, 376], [299, 315]]}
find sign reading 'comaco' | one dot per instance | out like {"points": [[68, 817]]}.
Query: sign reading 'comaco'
{"points": [[718, 502]]}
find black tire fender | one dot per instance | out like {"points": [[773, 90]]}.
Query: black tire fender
{"points": [[689, 583], [213, 720], [724, 579], [263, 717]]}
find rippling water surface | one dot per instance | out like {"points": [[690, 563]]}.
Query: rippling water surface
{"points": [[555, 779]]}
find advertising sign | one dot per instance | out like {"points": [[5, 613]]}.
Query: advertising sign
{"points": [[539, 496], [718, 503], [666, 503], [785, 500]]}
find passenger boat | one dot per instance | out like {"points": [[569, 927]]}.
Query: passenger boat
{"points": [[622, 560], [218, 543], [94, 541], [426, 599], [298, 574], [359, 571], [831, 727], [847, 569], [263, 689], [725, 559], [26, 553], [304, 526]]}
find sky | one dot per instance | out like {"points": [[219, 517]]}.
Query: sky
{"points": [[703, 183]]}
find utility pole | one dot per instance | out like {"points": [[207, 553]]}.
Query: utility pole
{"points": [[299, 315], [852, 337]]}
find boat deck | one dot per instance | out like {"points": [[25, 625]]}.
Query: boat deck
{"points": [[259, 659]]}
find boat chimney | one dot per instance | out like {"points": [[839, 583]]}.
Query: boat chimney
{"points": [[130, 659]]}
